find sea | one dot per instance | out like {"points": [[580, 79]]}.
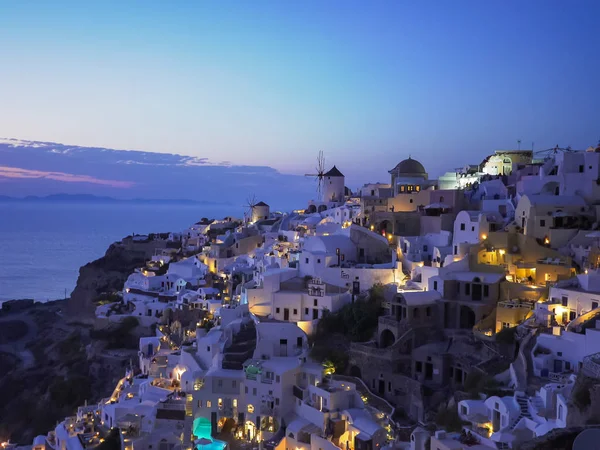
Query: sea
{"points": [[43, 245]]}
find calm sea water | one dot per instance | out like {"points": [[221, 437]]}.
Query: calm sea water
{"points": [[43, 245]]}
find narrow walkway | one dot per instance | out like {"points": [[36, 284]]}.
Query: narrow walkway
{"points": [[372, 399]]}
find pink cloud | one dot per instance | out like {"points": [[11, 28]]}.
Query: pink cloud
{"points": [[16, 172]]}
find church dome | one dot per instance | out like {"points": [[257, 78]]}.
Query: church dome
{"points": [[410, 166]]}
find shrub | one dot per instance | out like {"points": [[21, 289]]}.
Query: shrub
{"points": [[506, 335], [448, 419]]}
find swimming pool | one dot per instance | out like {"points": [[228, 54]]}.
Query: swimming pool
{"points": [[214, 445]]}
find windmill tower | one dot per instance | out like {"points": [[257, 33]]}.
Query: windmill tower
{"points": [[334, 186], [255, 211]]}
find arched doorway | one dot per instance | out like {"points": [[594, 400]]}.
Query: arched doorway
{"points": [[355, 372], [385, 227], [467, 317], [311, 209], [322, 208], [386, 338]]}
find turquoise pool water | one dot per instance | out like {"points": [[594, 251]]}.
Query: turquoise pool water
{"points": [[214, 445]]}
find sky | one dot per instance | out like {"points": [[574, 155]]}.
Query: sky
{"points": [[271, 83]]}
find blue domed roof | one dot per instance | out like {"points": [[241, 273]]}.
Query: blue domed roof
{"points": [[409, 166]]}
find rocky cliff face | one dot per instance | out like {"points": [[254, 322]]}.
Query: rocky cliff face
{"points": [[108, 274]]}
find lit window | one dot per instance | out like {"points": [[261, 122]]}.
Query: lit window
{"points": [[250, 409], [208, 404], [417, 188], [235, 402], [220, 403]]}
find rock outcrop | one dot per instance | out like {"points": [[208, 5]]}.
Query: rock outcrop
{"points": [[108, 274]]}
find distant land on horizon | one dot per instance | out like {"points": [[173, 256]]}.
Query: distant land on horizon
{"points": [[89, 198], [38, 169]]}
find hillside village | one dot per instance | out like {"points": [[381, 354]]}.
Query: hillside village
{"points": [[457, 313]]}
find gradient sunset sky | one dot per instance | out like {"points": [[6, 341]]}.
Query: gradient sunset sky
{"points": [[272, 83]]}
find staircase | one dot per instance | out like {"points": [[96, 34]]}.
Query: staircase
{"points": [[577, 325], [242, 348], [524, 405]]}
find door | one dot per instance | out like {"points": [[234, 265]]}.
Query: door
{"points": [[283, 347], [315, 313], [381, 387], [558, 366], [286, 314]]}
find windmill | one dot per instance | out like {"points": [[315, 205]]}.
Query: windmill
{"points": [[250, 204], [550, 152], [320, 169]]}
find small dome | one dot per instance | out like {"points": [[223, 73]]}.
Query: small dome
{"points": [[410, 166]]}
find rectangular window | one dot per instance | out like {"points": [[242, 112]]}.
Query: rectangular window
{"points": [[542, 222], [315, 302], [486, 290], [234, 384], [199, 403], [306, 260], [208, 404], [435, 285], [253, 391], [417, 188], [246, 389], [462, 227], [234, 402], [305, 310], [277, 379], [295, 311], [277, 401], [318, 261], [467, 288], [565, 301], [418, 366], [424, 248], [276, 310], [581, 169]]}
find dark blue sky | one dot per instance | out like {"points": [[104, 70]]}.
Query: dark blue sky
{"points": [[271, 83]]}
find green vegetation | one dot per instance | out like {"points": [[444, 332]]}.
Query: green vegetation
{"points": [[107, 297], [506, 336], [355, 322], [118, 335], [448, 419], [581, 392], [478, 382]]}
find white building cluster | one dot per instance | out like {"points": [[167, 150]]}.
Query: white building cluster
{"points": [[506, 246]]}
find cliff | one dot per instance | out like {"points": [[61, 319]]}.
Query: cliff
{"points": [[108, 274]]}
